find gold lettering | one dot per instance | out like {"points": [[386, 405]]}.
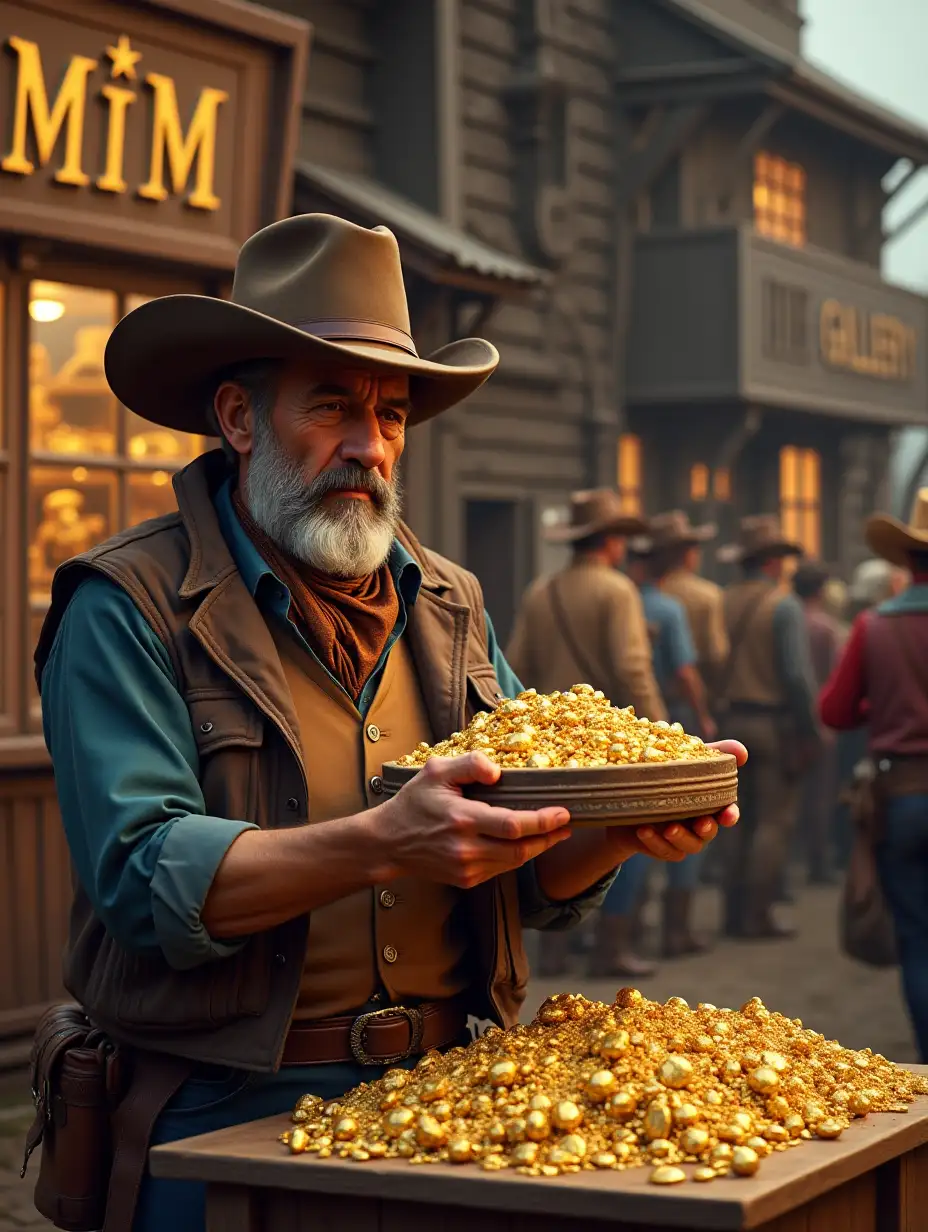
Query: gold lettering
{"points": [[168, 139], [32, 101], [119, 100], [872, 344]]}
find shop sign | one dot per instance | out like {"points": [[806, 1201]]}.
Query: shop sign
{"points": [[45, 125], [875, 344]]}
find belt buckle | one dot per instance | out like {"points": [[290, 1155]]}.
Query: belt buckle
{"points": [[359, 1027]]}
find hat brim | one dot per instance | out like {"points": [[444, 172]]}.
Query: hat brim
{"points": [[734, 553], [894, 540], [696, 536], [626, 525], [162, 358]]}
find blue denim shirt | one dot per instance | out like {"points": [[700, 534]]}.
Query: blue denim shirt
{"points": [[126, 762], [673, 645]]}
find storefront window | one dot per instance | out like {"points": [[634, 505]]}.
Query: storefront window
{"points": [[779, 199], [95, 467], [629, 473], [801, 498], [701, 477]]}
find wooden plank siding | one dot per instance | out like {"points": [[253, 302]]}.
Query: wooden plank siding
{"points": [[35, 895]]}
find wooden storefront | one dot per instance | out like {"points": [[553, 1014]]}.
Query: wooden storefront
{"points": [[139, 146]]}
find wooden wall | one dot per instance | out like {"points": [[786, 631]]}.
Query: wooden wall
{"points": [[35, 898]]}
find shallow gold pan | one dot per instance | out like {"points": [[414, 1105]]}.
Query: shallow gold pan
{"points": [[608, 796]]}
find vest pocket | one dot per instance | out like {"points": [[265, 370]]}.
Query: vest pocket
{"points": [[483, 691], [229, 735]]}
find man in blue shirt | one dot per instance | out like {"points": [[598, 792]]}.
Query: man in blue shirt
{"points": [[221, 686]]}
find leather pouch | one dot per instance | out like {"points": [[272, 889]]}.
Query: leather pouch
{"points": [[77, 1080]]}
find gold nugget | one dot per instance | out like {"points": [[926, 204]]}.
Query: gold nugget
{"points": [[593, 1086], [572, 729]]}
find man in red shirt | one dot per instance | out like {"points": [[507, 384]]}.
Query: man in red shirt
{"points": [[882, 680]]}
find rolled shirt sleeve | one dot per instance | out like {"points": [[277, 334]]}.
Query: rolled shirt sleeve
{"points": [[535, 908], [126, 769]]}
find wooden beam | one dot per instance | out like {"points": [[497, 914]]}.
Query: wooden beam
{"points": [[676, 126]]}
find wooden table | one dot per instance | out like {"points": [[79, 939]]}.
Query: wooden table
{"points": [[872, 1179]]}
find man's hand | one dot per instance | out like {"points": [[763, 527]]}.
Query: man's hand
{"points": [[430, 830], [677, 840]]}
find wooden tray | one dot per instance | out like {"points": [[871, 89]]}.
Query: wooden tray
{"points": [[610, 796]]}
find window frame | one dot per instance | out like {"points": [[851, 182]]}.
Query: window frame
{"points": [[20, 724], [631, 495], [802, 512]]}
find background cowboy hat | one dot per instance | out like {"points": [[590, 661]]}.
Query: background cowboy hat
{"points": [[671, 530], [309, 287], [594, 512], [894, 540], [759, 537]]}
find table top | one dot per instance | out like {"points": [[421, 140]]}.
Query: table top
{"points": [[251, 1155]]}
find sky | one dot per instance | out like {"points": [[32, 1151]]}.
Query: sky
{"points": [[878, 47]]}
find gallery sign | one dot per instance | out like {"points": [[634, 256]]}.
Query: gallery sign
{"points": [[876, 344], [139, 130]]}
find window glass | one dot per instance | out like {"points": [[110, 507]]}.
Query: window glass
{"points": [[699, 481], [149, 495], [779, 199], [801, 497], [71, 409], [70, 509], [629, 473]]}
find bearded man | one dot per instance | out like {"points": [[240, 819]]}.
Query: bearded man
{"points": [[253, 919]]}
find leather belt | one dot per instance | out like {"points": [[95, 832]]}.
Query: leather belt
{"points": [[381, 1037]]}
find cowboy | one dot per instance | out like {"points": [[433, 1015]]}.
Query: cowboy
{"points": [[587, 622], [253, 918], [768, 691], [681, 544], [820, 785], [679, 679], [881, 680]]}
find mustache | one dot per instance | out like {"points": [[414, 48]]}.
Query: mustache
{"points": [[350, 476]]}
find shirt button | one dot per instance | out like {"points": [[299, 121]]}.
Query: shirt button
{"points": [[390, 954], [373, 732], [293, 804], [206, 727], [376, 785], [387, 898]]}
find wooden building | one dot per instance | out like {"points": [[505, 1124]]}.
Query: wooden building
{"points": [[668, 223]]}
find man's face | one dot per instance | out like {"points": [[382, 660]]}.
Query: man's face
{"points": [[615, 550], [692, 559], [319, 472]]}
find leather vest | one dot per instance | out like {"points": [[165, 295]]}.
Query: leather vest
{"points": [[406, 937], [179, 572], [751, 675]]}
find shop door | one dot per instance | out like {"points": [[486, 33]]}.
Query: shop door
{"points": [[491, 551]]}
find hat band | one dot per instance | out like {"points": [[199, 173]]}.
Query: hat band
{"points": [[356, 330]]}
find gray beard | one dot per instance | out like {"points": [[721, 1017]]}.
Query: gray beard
{"points": [[348, 540]]}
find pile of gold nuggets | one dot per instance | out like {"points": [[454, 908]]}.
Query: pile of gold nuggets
{"points": [[538, 731], [593, 1086]]}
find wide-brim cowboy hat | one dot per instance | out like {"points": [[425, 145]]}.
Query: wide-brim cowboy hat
{"points": [[675, 530], [312, 287], [895, 540], [596, 512], [759, 538]]}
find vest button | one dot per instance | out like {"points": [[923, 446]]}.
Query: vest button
{"points": [[280, 959], [293, 804], [373, 733], [206, 727], [390, 954], [387, 898], [376, 785]]}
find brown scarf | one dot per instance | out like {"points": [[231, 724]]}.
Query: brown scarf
{"points": [[346, 620]]}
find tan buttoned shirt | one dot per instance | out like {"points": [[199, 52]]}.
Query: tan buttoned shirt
{"points": [[705, 608], [606, 643]]}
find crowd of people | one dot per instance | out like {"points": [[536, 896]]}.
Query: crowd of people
{"points": [[818, 678]]}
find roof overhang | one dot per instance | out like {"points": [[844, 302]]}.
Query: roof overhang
{"points": [[752, 64], [430, 246]]}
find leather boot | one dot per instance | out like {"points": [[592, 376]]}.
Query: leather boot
{"points": [[613, 955], [553, 949], [678, 940], [760, 924]]}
